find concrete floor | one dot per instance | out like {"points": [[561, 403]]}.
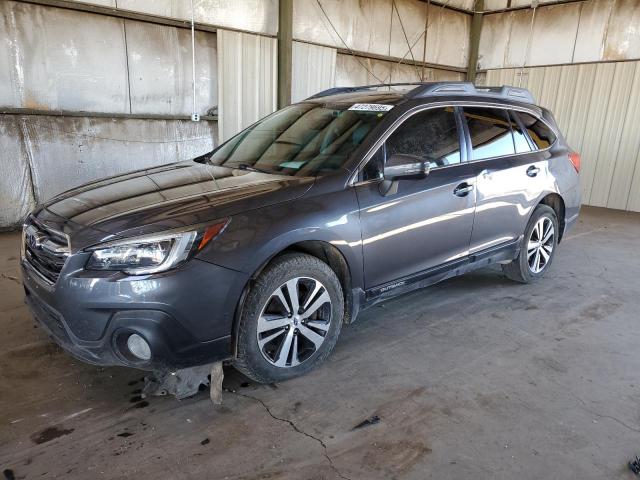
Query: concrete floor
{"points": [[474, 378]]}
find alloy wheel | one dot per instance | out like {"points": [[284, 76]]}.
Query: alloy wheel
{"points": [[294, 322], [540, 245]]}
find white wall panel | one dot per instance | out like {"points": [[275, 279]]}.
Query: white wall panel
{"points": [[16, 190], [374, 26], [247, 80], [597, 107], [260, 16], [448, 37], [624, 194], [57, 62], [45, 155], [590, 31], [616, 113], [313, 70], [554, 34], [350, 71], [160, 69]]}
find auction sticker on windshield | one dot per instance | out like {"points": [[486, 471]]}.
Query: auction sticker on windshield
{"points": [[370, 107]]}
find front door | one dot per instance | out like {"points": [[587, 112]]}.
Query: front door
{"points": [[428, 222]]}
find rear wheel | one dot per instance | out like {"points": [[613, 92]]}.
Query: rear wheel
{"points": [[538, 247], [291, 319]]}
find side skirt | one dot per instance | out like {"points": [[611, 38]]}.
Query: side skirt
{"points": [[499, 253]]}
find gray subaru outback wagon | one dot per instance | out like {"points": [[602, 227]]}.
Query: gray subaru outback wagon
{"points": [[260, 250]]}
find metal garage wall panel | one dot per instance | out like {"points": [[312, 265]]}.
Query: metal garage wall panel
{"points": [[611, 135], [500, 4], [104, 3], [495, 4], [66, 152], [448, 37], [623, 33], [579, 107], [597, 107], [503, 42], [413, 15], [160, 69], [247, 82], [592, 30], [16, 193], [554, 33], [628, 158], [494, 41], [371, 27], [64, 60], [260, 16], [350, 72], [594, 126], [314, 70], [365, 27]]}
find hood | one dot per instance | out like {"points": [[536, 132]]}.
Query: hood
{"points": [[162, 198]]}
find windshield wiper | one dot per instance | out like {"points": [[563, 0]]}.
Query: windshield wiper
{"points": [[251, 168]]}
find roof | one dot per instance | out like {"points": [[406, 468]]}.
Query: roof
{"points": [[405, 91]]}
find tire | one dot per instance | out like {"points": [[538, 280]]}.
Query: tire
{"points": [[307, 338], [524, 268]]}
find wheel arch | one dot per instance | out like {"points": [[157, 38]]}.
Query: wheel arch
{"points": [[556, 202], [325, 252]]}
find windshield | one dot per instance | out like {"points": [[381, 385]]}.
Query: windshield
{"points": [[304, 139]]}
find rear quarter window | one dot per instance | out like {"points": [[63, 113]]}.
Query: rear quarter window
{"points": [[541, 134]]}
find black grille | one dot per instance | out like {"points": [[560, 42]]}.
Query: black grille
{"points": [[46, 250]]}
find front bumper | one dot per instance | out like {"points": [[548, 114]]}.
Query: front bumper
{"points": [[185, 315]]}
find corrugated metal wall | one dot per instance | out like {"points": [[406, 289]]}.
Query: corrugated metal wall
{"points": [[314, 70], [58, 59], [55, 59], [260, 16], [351, 71], [590, 31], [247, 80], [597, 106], [44, 155], [373, 26]]}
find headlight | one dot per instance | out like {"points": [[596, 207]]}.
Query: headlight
{"points": [[152, 254]]}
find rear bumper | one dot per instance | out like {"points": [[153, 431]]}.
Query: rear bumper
{"points": [[186, 315]]}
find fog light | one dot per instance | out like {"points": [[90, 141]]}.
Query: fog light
{"points": [[139, 347]]}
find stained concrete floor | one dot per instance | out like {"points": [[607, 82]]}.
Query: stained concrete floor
{"points": [[474, 378]]}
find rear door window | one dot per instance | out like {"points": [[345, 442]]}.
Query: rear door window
{"points": [[539, 132], [490, 132]]}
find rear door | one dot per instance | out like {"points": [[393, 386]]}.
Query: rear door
{"points": [[428, 222], [511, 175]]}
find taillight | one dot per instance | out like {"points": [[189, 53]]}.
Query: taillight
{"points": [[574, 158]]}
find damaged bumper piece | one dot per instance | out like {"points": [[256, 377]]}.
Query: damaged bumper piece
{"points": [[110, 321]]}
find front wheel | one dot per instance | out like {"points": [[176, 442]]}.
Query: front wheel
{"points": [[291, 319], [538, 247]]}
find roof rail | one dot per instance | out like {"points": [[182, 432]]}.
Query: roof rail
{"points": [[434, 89], [337, 90], [505, 92]]}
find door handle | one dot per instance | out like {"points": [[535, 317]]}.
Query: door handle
{"points": [[463, 189], [532, 171]]}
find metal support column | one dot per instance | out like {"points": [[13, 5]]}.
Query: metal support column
{"points": [[285, 35], [474, 40]]}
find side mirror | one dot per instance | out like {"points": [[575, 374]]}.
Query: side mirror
{"points": [[402, 167]]}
